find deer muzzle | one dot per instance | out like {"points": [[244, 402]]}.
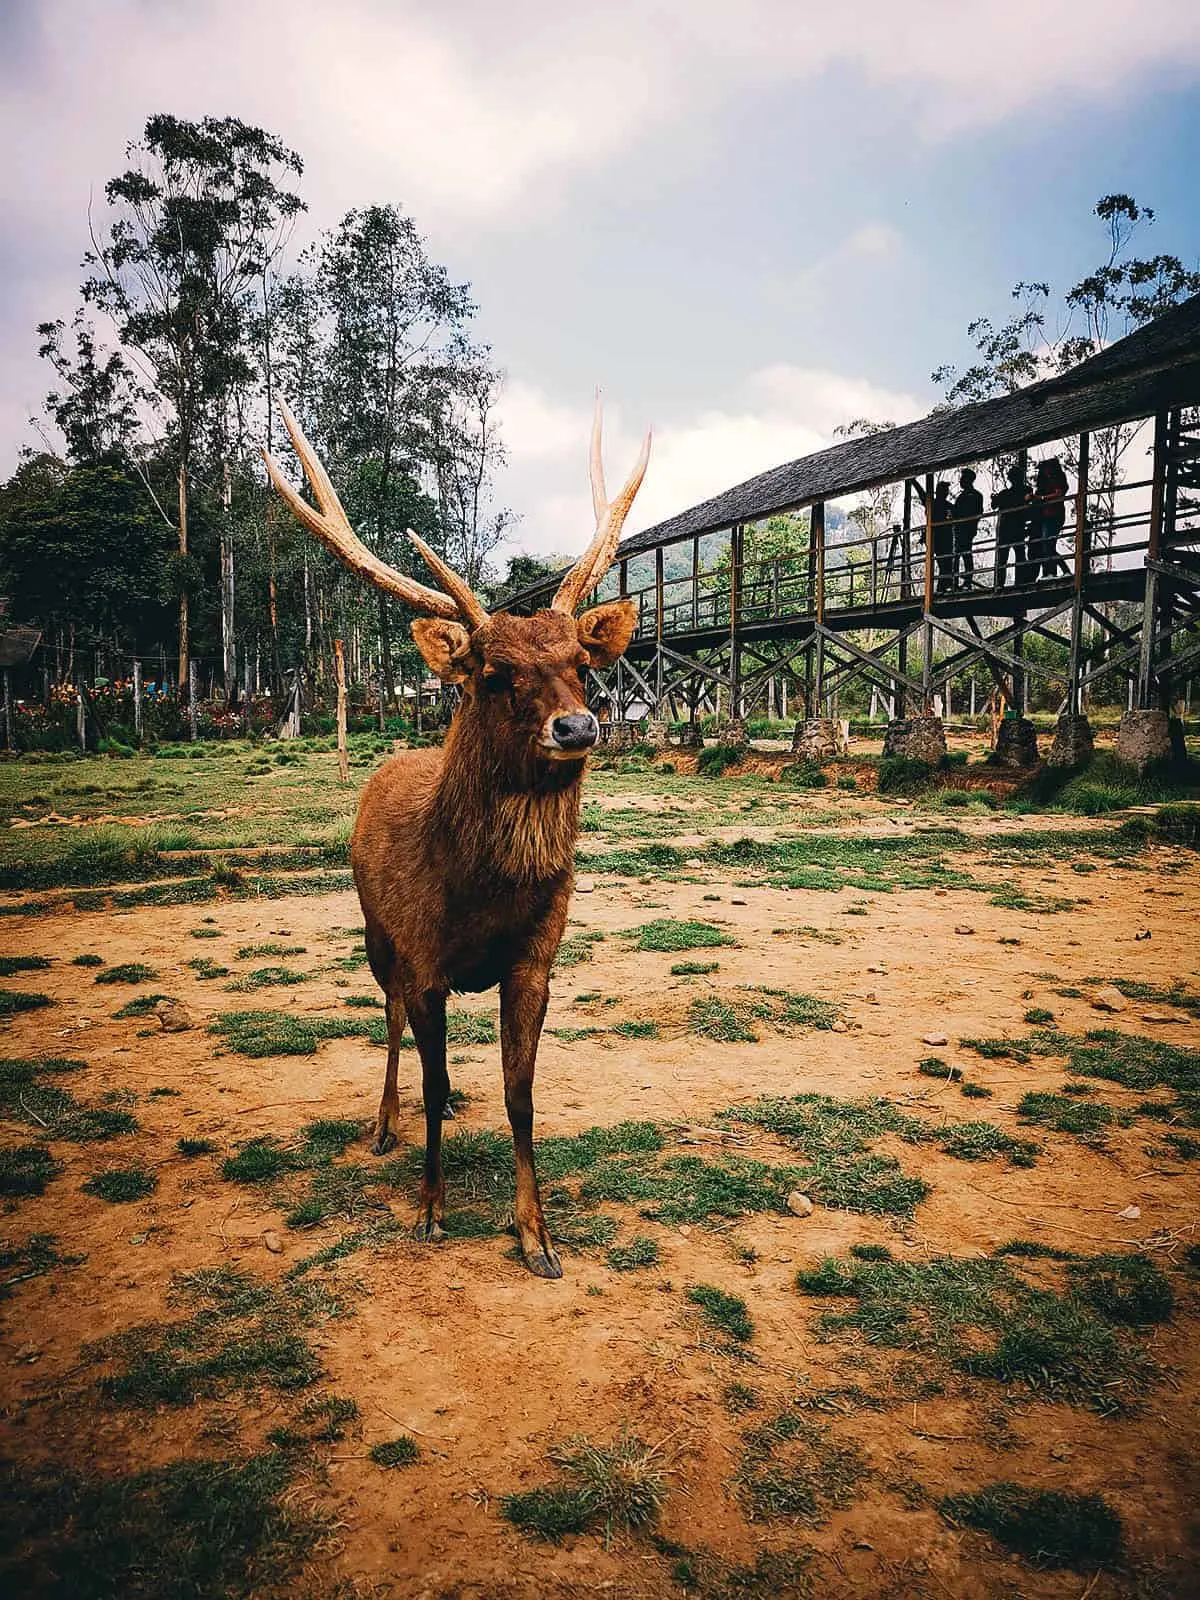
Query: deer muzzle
{"points": [[565, 738]]}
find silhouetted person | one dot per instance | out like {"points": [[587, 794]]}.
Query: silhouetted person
{"points": [[943, 538], [968, 508], [1012, 524], [1046, 522]]}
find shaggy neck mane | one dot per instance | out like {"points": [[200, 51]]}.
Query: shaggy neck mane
{"points": [[500, 809]]}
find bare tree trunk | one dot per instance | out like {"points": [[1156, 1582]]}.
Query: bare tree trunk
{"points": [[183, 599], [343, 758], [387, 680], [228, 644]]}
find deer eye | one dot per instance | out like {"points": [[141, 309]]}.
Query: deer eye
{"points": [[496, 676]]}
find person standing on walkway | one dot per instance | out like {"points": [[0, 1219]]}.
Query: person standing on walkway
{"points": [[968, 508], [1011, 506], [1046, 523]]}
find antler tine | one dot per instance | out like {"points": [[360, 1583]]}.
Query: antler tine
{"points": [[332, 527], [467, 602], [599, 496], [597, 558]]}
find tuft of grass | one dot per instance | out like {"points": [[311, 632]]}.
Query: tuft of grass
{"points": [[1087, 1120], [190, 1148], [794, 1467], [121, 1185], [205, 933], [248, 952], [1045, 1527], [1124, 1288], [26, 1169], [400, 1452], [259, 1034], [1038, 1017], [636, 1028], [983, 1141], [668, 934], [935, 1067], [731, 1018], [88, 960], [694, 969], [200, 1528], [641, 1251], [974, 1091], [617, 1486], [204, 967], [38, 1255], [738, 1398], [266, 978], [11, 965], [127, 972], [727, 1313], [13, 1001]]}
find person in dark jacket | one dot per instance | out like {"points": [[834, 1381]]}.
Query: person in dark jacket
{"points": [[1048, 516], [1011, 506], [968, 508]]}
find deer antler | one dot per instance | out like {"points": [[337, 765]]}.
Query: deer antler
{"points": [[610, 517], [331, 525]]}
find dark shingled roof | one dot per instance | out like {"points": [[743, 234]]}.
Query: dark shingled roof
{"points": [[1148, 371]]}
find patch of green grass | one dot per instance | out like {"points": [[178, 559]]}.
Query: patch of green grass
{"points": [[1046, 1527], [11, 965], [26, 1096], [190, 1148], [1124, 1288], [204, 967], [641, 1251], [1033, 1250], [974, 1091], [266, 978], [242, 1335], [575, 950], [794, 1467], [984, 1141], [636, 1028], [38, 1255], [935, 1067], [987, 1320], [248, 952], [668, 934], [87, 961], [1086, 1120], [13, 1001], [127, 972], [694, 969], [142, 1006], [400, 1452], [120, 1185], [621, 1486], [727, 1313], [205, 933], [731, 1018], [26, 1169], [1038, 1017], [259, 1034], [200, 1528], [738, 1398]]}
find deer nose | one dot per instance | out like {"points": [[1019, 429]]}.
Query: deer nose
{"points": [[578, 731]]}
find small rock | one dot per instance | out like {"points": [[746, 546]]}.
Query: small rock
{"points": [[693, 862], [1061, 1452], [1155, 1016], [273, 1242], [1145, 934], [685, 1230], [27, 1352], [941, 893], [1130, 1214], [1109, 999], [935, 1038], [882, 970], [964, 927], [585, 885], [172, 1016], [799, 1204], [871, 998], [839, 1027], [736, 902]]}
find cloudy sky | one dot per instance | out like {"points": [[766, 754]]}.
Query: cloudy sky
{"points": [[748, 220]]}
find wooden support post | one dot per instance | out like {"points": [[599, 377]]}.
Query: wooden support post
{"points": [[8, 733], [137, 699], [735, 595], [1145, 677], [902, 665], [340, 668], [192, 697], [1073, 696], [927, 655], [906, 545], [695, 588], [80, 720], [817, 537], [658, 629]]}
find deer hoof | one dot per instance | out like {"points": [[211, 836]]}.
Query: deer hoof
{"points": [[448, 1112], [385, 1141], [544, 1263], [428, 1231]]}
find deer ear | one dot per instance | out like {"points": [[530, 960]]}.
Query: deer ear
{"points": [[445, 646], [605, 631]]}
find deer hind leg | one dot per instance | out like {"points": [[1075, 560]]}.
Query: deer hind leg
{"points": [[523, 997], [427, 1015], [387, 1124]]}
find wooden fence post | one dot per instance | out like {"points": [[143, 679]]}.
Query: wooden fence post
{"points": [[340, 667], [192, 697], [137, 699]]}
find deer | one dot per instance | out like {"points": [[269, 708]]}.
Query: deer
{"points": [[463, 856]]}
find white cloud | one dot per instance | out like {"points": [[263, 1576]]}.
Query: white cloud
{"points": [[778, 413]]}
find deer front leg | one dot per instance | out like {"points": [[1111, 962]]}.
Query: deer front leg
{"points": [[523, 997], [387, 1124], [427, 1016]]}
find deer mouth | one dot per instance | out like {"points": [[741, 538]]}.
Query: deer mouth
{"points": [[569, 738]]}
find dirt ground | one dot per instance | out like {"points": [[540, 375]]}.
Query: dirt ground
{"points": [[489, 1369]]}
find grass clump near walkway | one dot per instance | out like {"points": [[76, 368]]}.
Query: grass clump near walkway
{"points": [[640, 1252], [668, 934], [987, 1320], [617, 1487], [1086, 1120], [14, 1001], [727, 1313], [1045, 1527], [127, 972], [200, 1528], [26, 1169], [259, 1034], [731, 1018], [11, 965], [27, 1096], [393, 1453]]}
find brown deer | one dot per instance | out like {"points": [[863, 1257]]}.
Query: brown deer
{"points": [[463, 857]]}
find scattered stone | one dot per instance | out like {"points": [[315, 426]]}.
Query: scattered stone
{"points": [[693, 862], [1154, 1016], [839, 1027], [685, 1230], [871, 998], [964, 928], [881, 970], [735, 901], [273, 1242], [1073, 744], [918, 738], [585, 885], [935, 1038], [1145, 934], [172, 1016], [941, 893], [1016, 743], [799, 1204], [28, 1353], [1130, 1214], [1108, 999]]}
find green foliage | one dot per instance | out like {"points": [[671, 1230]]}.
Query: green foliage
{"points": [[981, 1141], [716, 759], [641, 1251], [87, 961], [127, 972], [26, 1169], [619, 1486], [669, 934], [11, 965], [399, 1452], [1086, 1120], [14, 1001], [904, 775], [38, 1255], [727, 1313], [204, 967], [247, 952], [730, 1018], [120, 1185], [259, 1034], [793, 1467], [694, 969], [1047, 1527], [1124, 1288], [190, 1148]]}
